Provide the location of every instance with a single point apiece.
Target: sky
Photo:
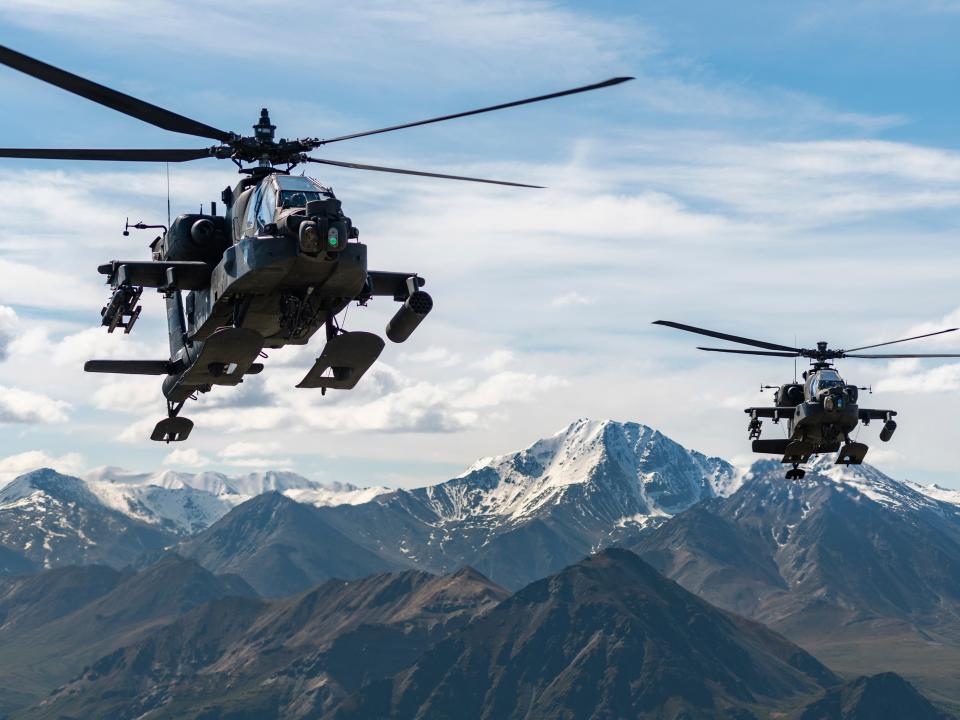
(789, 172)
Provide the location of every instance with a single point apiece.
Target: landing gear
(347, 355)
(852, 453)
(796, 473)
(173, 428)
(754, 428)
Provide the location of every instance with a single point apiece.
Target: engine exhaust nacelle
(888, 429)
(202, 231)
(194, 237)
(411, 313)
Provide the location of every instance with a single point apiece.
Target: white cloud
(32, 285)
(881, 456)
(13, 466)
(9, 325)
(497, 360)
(129, 395)
(30, 341)
(137, 432)
(247, 449)
(507, 386)
(263, 463)
(569, 299)
(802, 185)
(401, 404)
(944, 378)
(483, 36)
(96, 342)
(439, 356)
(23, 406)
(186, 457)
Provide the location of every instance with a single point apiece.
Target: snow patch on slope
(626, 471)
(189, 502)
(872, 483)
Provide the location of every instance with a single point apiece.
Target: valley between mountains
(603, 572)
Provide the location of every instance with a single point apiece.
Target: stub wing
(179, 275)
(775, 413)
(865, 414)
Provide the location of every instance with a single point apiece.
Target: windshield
(828, 379)
(299, 198)
(298, 190)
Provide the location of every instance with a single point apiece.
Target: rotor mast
(264, 131)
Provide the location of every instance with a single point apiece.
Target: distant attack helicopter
(822, 411)
(282, 261)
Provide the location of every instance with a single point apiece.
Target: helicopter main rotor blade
(769, 353)
(379, 168)
(502, 106)
(911, 355)
(110, 98)
(725, 336)
(106, 154)
(894, 342)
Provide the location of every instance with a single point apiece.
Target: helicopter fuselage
(282, 263)
(822, 411)
(820, 415)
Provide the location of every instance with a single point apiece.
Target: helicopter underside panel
(811, 430)
(820, 427)
(268, 285)
(344, 360)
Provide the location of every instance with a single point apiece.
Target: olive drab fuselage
(821, 412)
(264, 280)
(279, 264)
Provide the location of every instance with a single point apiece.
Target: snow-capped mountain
(625, 472)
(186, 503)
(52, 520)
(847, 562)
(523, 515)
(116, 517)
(936, 492)
(847, 544)
(869, 482)
(515, 517)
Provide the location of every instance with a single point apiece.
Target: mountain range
(185, 503)
(291, 657)
(55, 622)
(860, 569)
(606, 637)
(853, 566)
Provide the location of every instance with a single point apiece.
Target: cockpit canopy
(298, 190)
(278, 192)
(824, 380)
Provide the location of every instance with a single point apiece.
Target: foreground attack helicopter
(822, 411)
(280, 263)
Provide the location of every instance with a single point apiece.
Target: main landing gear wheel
(796, 473)
(172, 428)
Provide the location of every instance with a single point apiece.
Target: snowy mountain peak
(936, 492)
(632, 471)
(574, 449)
(864, 480)
(188, 502)
(46, 482)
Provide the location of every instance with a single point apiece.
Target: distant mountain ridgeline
(860, 569)
(606, 637)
